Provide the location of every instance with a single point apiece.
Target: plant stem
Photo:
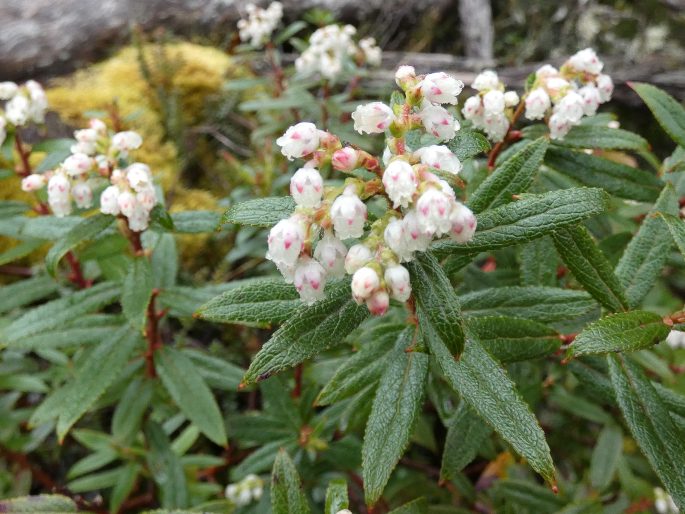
(24, 154)
(152, 336)
(297, 390)
(76, 275)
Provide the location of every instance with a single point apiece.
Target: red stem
(297, 390)
(154, 341)
(511, 135)
(76, 275)
(24, 154)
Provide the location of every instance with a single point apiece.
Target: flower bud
(127, 203)
(331, 252)
(306, 187)
(591, 99)
(125, 141)
(437, 121)
(400, 182)
(345, 159)
(676, 339)
(147, 198)
(605, 86)
(485, 81)
(357, 256)
(441, 88)
(511, 98)
(364, 282)
(8, 90)
(33, 182)
(496, 126)
(59, 198)
(286, 241)
(17, 110)
(82, 194)
(139, 219)
(537, 103)
(417, 239)
(439, 157)
(378, 303)
(139, 176)
(473, 109)
(463, 223)
(397, 279)
(405, 76)
(372, 118)
(558, 126)
(85, 142)
(493, 103)
(109, 201)
(395, 238)
(78, 164)
(570, 107)
(299, 140)
(586, 61)
(309, 280)
(432, 211)
(98, 126)
(348, 214)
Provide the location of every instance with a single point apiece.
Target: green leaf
(217, 372)
(437, 301)
(605, 457)
(667, 111)
(418, 506)
(622, 332)
(543, 304)
(289, 32)
(287, 496)
(527, 219)
(644, 257)
(21, 250)
(129, 410)
(676, 227)
(336, 496)
(39, 504)
(94, 375)
(165, 467)
(164, 262)
(539, 263)
(25, 292)
(190, 392)
(126, 481)
(309, 331)
(514, 339)
(136, 291)
(11, 208)
(528, 497)
(160, 216)
(617, 179)
(395, 409)
(465, 436)
(196, 222)
(259, 303)
(513, 176)
(260, 212)
(468, 143)
(485, 386)
(590, 267)
(603, 137)
(650, 424)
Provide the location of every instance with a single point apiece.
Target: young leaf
(616, 178)
(86, 230)
(287, 496)
(605, 457)
(514, 339)
(529, 218)
(393, 414)
(485, 386)
(465, 436)
(260, 212)
(166, 468)
(468, 143)
(641, 263)
(336, 496)
(650, 424)
(437, 301)
(512, 177)
(667, 111)
(259, 303)
(622, 332)
(539, 263)
(309, 331)
(136, 291)
(590, 267)
(597, 136)
(190, 392)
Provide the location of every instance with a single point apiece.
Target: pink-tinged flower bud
(60, 207)
(125, 141)
(286, 241)
(558, 126)
(348, 214)
(139, 219)
(372, 118)
(127, 203)
(33, 182)
(299, 140)
(309, 280)
(85, 142)
(109, 201)
(396, 239)
(357, 256)
(397, 279)
(417, 239)
(441, 88)
(78, 164)
(400, 182)
(405, 75)
(98, 126)
(8, 90)
(556, 87)
(591, 99)
(605, 86)
(432, 212)
(546, 71)
(511, 98)
(331, 252)
(59, 197)
(485, 81)
(493, 103)
(147, 198)
(439, 157)
(345, 159)
(537, 103)
(364, 282)
(496, 126)
(17, 110)
(437, 121)
(473, 109)
(586, 61)
(139, 176)
(82, 194)
(378, 303)
(676, 339)
(570, 107)
(463, 223)
(306, 187)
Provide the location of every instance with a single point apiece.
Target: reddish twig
(154, 341)
(297, 390)
(76, 275)
(24, 155)
(511, 135)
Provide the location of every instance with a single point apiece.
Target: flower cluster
(492, 108)
(569, 93)
(246, 491)
(332, 50)
(23, 104)
(421, 205)
(260, 23)
(676, 339)
(96, 155)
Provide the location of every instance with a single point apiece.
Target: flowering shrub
(474, 305)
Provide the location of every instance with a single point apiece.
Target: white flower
(286, 241)
(556, 87)
(3, 131)
(546, 71)
(39, 101)
(139, 219)
(86, 140)
(570, 107)
(299, 140)
(364, 282)
(537, 103)
(330, 51)
(586, 61)
(432, 212)
(348, 214)
(493, 103)
(463, 223)
(395, 238)
(439, 157)
(441, 88)
(663, 502)
(473, 109)
(82, 194)
(591, 99)
(357, 256)
(558, 126)
(17, 110)
(397, 279)
(98, 126)
(417, 239)
(496, 126)
(400, 182)
(109, 201)
(309, 280)
(372, 118)
(139, 176)
(676, 339)
(378, 302)
(8, 90)
(605, 86)
(127, 203)
(306, 187)
(345, 159)
(126, 141)
(260, 23)
(344, 511)
(372, 52)
(331, 253)
(438, 121)
(78, 164)
(33, 182)
(485, 80)
(404, 74)
(147, 198)
(58, 195)
(511, 98)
